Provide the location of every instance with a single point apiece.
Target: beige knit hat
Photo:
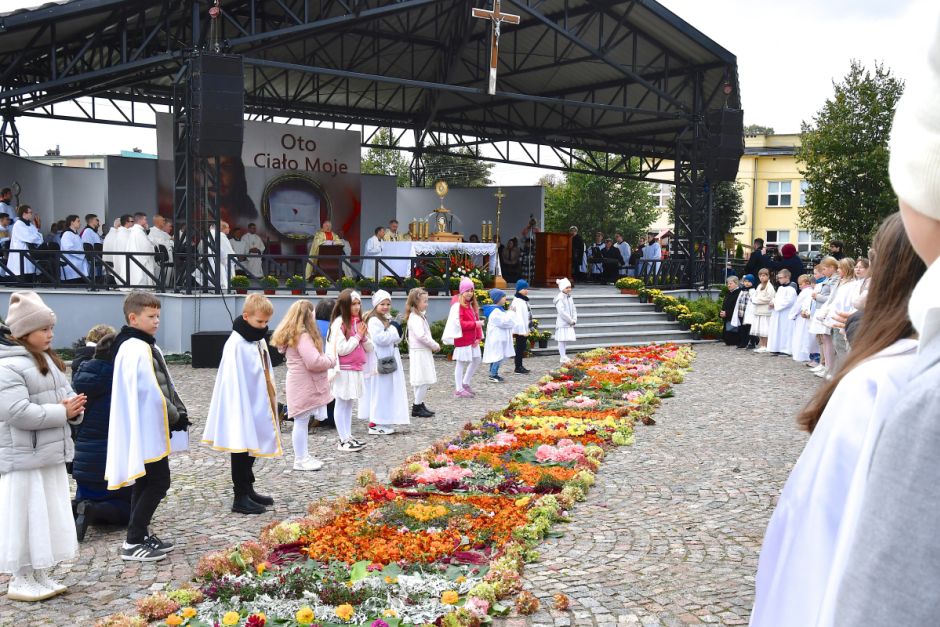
(27, 313)
(915, 139)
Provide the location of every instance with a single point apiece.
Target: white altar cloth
(402, 267)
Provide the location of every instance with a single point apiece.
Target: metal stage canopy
(621, 79)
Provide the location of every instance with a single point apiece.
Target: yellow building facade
(772, 189)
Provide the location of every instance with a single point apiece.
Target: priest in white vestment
(159, 233)
(116, 242)
(373, 249)
(225, 251)
(143, 264)
(254, 245)
(23, 234)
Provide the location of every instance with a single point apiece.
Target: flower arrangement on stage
(445, 541)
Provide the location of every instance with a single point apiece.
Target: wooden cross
(497, 17)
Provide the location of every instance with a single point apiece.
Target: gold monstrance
(442, 218)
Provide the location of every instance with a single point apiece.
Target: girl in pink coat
(308, 386)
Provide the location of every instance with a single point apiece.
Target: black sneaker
(495, 379)
(143, 552)
(522, 371)
(159, 544)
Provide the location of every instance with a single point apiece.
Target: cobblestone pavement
(669, 535)
(671, 532)
(197, 516)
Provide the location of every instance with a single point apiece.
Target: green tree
(457, 168)
(387, 161)
(845, 157)
(727, 202)
(599, 203)
(757, 129)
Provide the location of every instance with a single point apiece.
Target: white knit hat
(915, 139)
(379, 296)
(562, 284)
(27, 313)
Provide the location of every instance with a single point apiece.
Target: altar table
(402, 267)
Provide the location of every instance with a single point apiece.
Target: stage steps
(605, 318)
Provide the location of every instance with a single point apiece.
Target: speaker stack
(725, 144)
(218, 106)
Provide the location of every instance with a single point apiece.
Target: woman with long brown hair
(802, 559)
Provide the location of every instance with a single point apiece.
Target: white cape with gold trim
(138, 431)
(242, 414)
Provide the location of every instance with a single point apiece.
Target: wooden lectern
(552, 258)
(329, 260)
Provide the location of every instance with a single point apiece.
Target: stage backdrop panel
(55, 192)
(473, 205)
(288, 180)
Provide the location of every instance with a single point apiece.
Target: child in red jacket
(464, 330)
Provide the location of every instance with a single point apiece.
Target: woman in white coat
(388, 397)
(566, 319)
(421, 349)
(803, 556)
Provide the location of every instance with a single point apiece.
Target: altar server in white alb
(243, 416)
(373, 249)
(77, 267)
(566, 319)
(37, 404)
(23, 235)
(145, 410)
(802, 342)
(421, 349)
(499, 325)
(780, 336)
(388, 396)
(519, 307)
(114, 242)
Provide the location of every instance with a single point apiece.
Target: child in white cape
(566, 319)
(499, 326)
(388, 397)
(421, 349)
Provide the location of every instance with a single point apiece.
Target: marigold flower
(345, 611)
(390, 613)
(460, 579)
(263, 566)
(304, 615)
(174, 619)
(450, 597)
(188, 612)
(231, 618)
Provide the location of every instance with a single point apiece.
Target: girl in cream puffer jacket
(36, 406)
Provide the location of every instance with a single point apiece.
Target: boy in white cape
(243, 417)
(802, 342)
(499, 326)
(780, 335)
(145, 409)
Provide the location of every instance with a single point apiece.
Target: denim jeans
(494, 368)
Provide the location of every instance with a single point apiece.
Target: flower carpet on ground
(445, 541)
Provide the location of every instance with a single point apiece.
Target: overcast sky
(788, 55)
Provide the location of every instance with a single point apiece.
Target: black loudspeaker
(725, 143)
(207, 348)
(218, 105)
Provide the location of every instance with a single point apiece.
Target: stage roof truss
(625, 77)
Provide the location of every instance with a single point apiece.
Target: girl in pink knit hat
(464, 331)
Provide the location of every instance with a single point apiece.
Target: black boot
(259, 498)
(245, 505)
(418, 411)
(425, 408)
(82, 519)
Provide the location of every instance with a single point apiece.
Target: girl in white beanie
(566, 320)
(388, 396)
(37, 404)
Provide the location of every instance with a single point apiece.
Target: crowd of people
(802, 317)
(114, 425)
(608, 259)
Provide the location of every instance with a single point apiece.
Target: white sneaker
(349, 446)
(381, 430)
(308, 463)
(760, 350)
(820, 373)
(43, 579)
(565, 360)
(818, 368)
(26, 588)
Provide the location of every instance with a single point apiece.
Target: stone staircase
(605, 318)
